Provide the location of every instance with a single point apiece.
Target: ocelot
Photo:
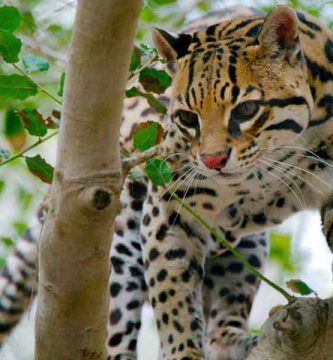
(249, 136)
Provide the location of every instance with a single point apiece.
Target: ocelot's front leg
(229, 290)
(173, 258)
(127, 285)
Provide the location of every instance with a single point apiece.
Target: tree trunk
(302, 330)
(73, 296)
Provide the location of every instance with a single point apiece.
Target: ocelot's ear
(280, 32)
(171, 46)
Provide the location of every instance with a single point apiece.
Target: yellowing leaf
(299, 287)
(147, 135)
(33, 121)
(156, 81)
(40, 168)
(14, 130)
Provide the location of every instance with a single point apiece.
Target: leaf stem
(41, 88)
(142, 66)
(35, 144)
(234, 251)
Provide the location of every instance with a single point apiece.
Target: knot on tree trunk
(102, 198)
(300, 330)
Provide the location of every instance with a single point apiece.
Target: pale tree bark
(73, 300)
(302, 330)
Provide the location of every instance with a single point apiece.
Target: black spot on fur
(115, 289)
(115, 316)
(115, 339)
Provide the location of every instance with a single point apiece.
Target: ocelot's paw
(230, 343)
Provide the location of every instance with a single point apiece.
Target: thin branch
(139, 158)
(32, 146)
(41, 88)
(133, 75)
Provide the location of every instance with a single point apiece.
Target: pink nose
(215, 161)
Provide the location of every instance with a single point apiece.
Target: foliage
(280, 249)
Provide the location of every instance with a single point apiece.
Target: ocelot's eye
(245, 111)
(187, 118)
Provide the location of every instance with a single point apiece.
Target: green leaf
(59, 35)
(158, 171)
(33, 64)
(25, 197)
(40, 168)
(280, 249)
(33, 121)
(156, 81)
(14, 130)
(152, 101)
(10, 18)
(147, 135)
(16, 87)
(61, 84)
(10, 46)
(2, 183)
(20, 227)
(136, 59)
(147, 51)
(8, 242)
(299, 287)
(13, 124)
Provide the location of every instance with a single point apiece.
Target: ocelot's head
(239, 89)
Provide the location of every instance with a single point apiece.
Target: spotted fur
(242, 173)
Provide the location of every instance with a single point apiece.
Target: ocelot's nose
(217, 160)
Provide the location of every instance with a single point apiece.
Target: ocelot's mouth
(235, 174)
(226, 174)
(230, 175)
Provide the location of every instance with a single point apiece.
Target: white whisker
(294, 173)
(306, 171)
(302, 149)
(174, 183)
(261, 186)
(280, 179)
(181, 204)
